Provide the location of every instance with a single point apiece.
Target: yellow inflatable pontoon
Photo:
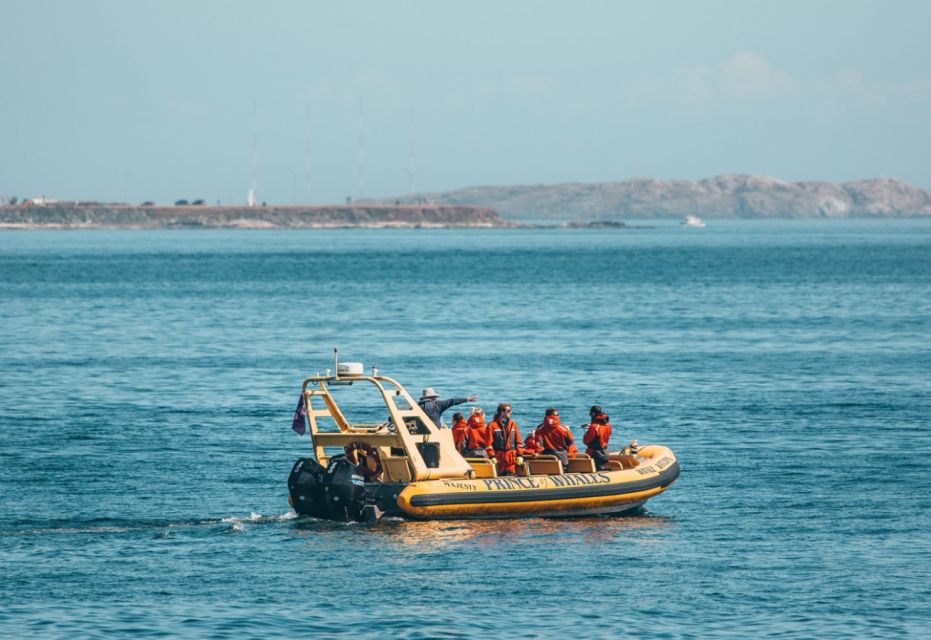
(408, 467)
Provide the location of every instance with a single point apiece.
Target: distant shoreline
(60, 215)
(77, 216)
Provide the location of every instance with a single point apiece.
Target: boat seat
(545, 466)
(396, 469)
(614, 465)
(582, 463)
(483, 467)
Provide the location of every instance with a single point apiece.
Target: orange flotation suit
(459, 433)
(596, 437)
(553, 435)
(532, 444)
(598, 434)
(477, 436)
(506, 444)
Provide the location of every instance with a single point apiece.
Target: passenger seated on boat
(554, 437)
(477, 443)
(597, 434)
(532, 444)
(460, 426)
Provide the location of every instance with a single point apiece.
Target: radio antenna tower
(307, 154)
(412, 166)
(360, 190)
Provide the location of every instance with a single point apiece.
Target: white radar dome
(349, 369)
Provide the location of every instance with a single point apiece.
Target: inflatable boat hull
(572, 494)
(336, 493)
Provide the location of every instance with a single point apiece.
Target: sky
(163, 100)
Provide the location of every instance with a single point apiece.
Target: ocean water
(147, 382)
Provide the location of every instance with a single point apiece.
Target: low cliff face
(61, 215)
(730, 196)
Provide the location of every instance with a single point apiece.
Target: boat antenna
(336, 361)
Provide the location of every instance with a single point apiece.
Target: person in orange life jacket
(506, 441)
(460, 426)
(597, 434)
(554, 437)
(478, 436)
(532, 444)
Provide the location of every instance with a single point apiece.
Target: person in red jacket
(478, 436)
(532, 444)
(460, 426)
(554, 437)
(597, 434)
(505, 440)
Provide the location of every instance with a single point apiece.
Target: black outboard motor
(305, 484)
(344, 490)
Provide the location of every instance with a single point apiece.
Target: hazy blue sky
(156, 98)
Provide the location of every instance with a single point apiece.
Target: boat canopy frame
(404, 429)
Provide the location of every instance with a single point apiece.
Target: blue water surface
(147, 381)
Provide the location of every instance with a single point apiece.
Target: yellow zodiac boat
(408, 467)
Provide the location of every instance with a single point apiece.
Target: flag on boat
(298, 423)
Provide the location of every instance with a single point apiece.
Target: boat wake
(101, 526)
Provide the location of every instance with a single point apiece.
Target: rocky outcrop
(729, 196)
(61, 215)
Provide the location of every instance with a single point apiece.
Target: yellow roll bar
(404, 429)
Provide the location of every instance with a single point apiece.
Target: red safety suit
(532, 445)
(478, 435)
(553, 435)
(459, 433)
(596, 437)
(506, 444)
(598, 434)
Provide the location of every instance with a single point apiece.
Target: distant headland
(727, 196)
(571, 205)
(45, 214)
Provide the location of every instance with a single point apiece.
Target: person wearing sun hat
(434, 407)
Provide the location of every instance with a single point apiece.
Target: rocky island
(78, 215)
(727, 196)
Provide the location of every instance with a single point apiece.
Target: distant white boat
(693, 221)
